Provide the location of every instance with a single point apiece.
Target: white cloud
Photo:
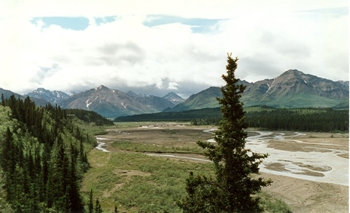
(268, 38)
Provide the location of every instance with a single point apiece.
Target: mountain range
(291, 89)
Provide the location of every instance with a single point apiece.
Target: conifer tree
(233, 187)
(98, 208)
(91, 204)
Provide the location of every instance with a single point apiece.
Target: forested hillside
(88, 116)
(42, 158)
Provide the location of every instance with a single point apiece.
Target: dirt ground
(301, 195)
(304, 196)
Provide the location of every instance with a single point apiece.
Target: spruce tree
(91, 202)
(233, 188)
(98, 208)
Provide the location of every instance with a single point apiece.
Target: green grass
(272, 204)
(131, 124)
(142, 147)
(92, 129)
(137, 182)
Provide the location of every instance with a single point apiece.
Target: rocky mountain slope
(173, 98)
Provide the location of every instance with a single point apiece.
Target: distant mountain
(154, 102)
(112, 103)
(8, 93)
(295, 89)
(53, 97)
(159, 103)
(173, 98)
(203, 99)
(292, 89)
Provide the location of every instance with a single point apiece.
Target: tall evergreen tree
(233, 187)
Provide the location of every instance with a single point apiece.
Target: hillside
(43, 157)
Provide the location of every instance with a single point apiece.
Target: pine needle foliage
(233, 189)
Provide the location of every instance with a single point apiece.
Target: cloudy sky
(167, 45)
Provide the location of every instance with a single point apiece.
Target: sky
(157, 46)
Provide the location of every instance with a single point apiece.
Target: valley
(174, 106)
(309, 169)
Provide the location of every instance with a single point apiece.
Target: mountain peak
(102, 87)
(172, 94)
(173, 98)
(292, 72)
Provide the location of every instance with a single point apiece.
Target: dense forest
(304, 119)
(308, 119)
(42, 157)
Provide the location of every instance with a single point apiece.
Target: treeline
(305, 119)
(88, 116)
(42, 157)
(207, 114)
(324, 120)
